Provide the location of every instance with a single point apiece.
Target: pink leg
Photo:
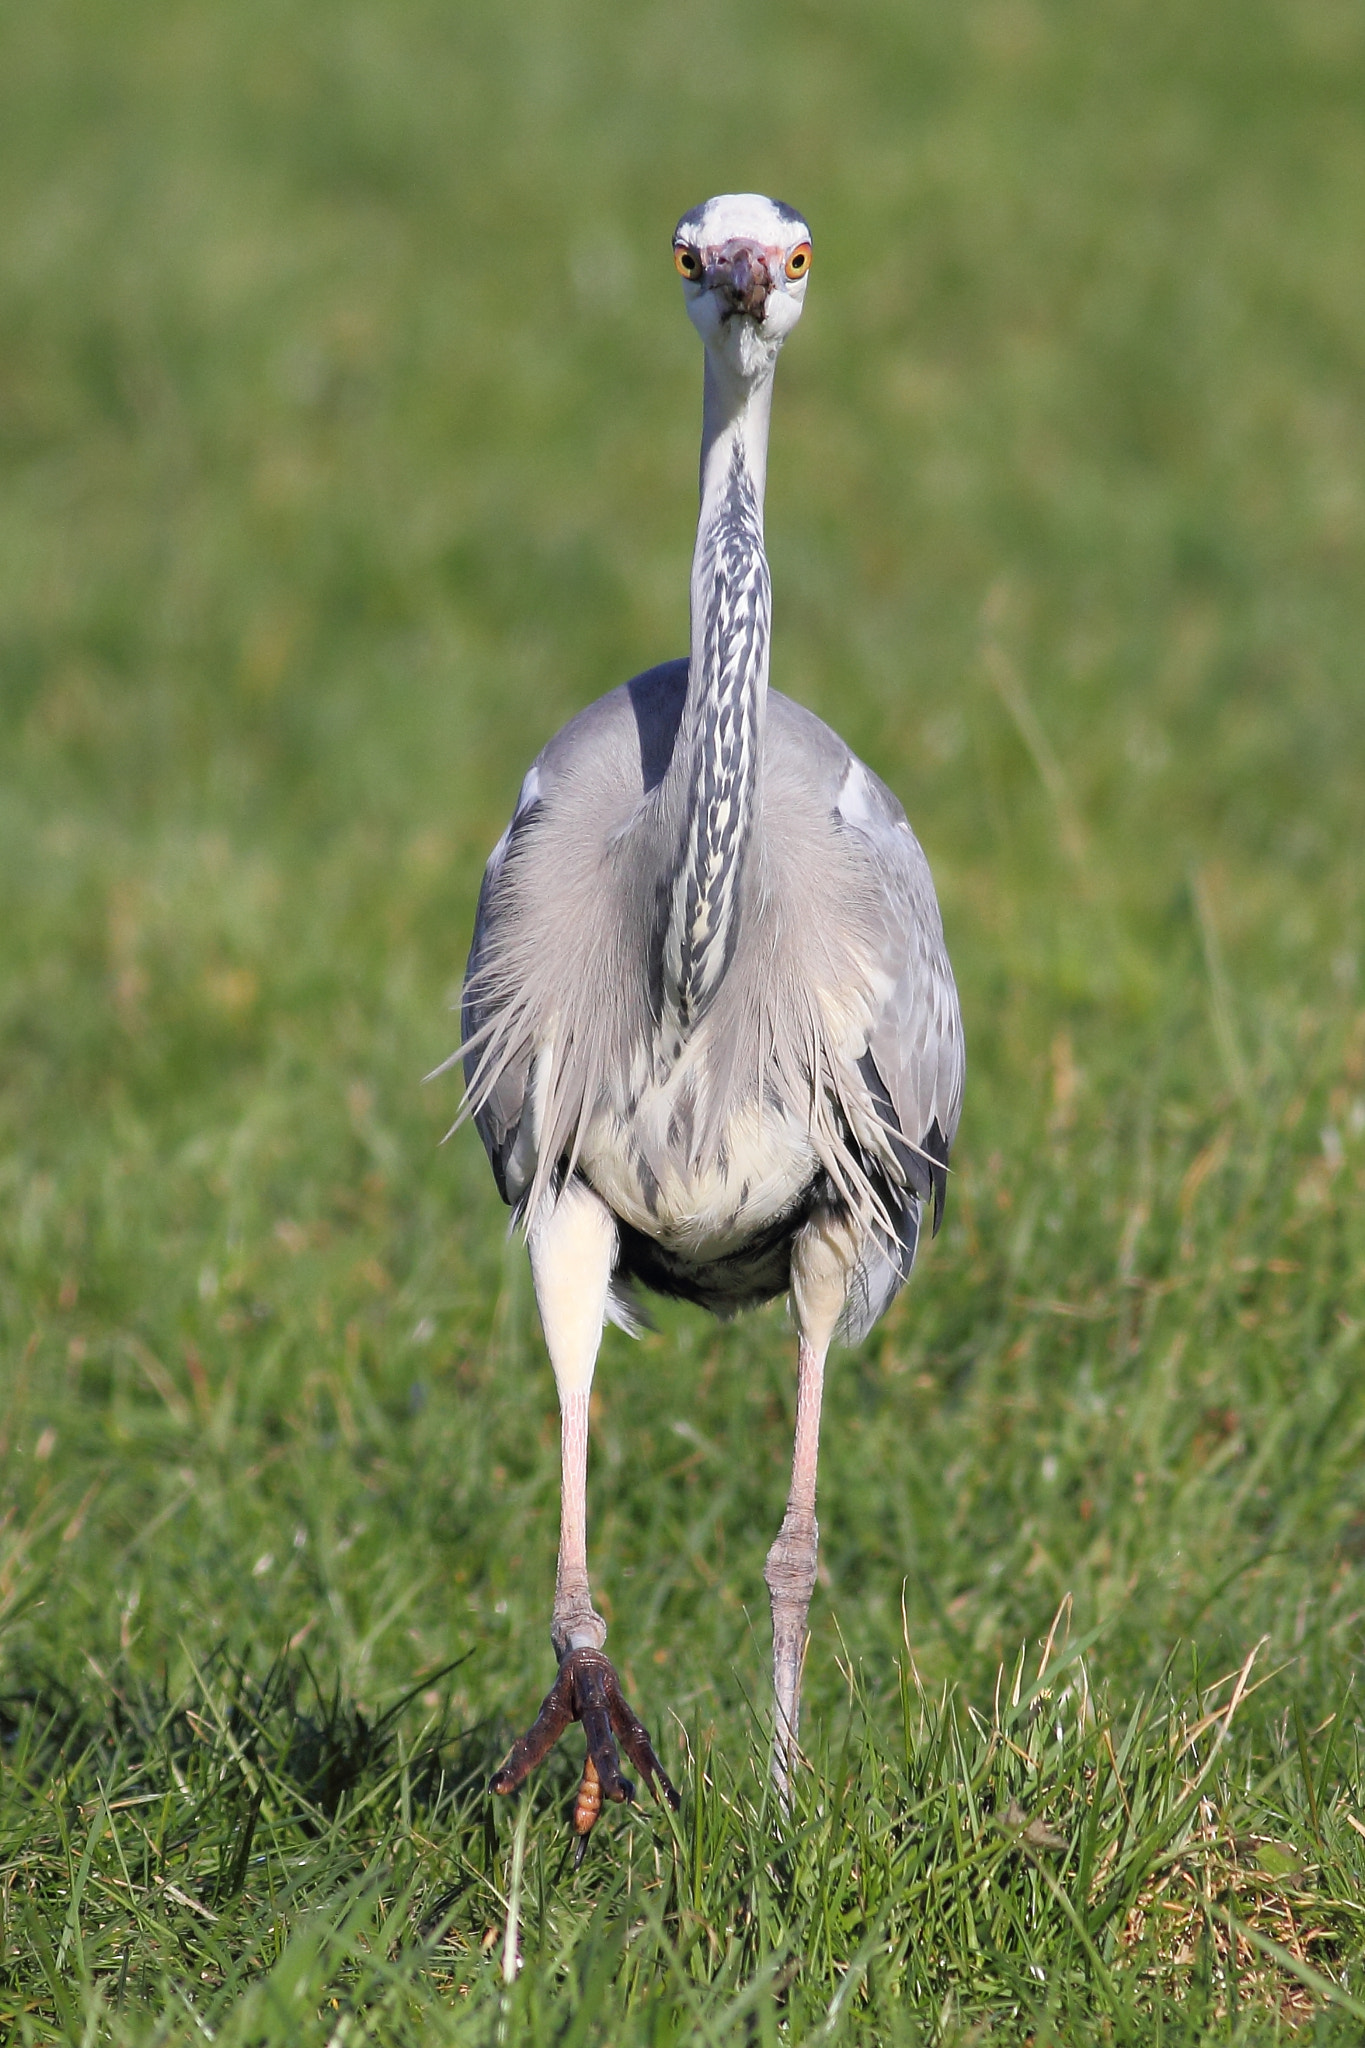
(823, 1256)
(575, 1624)
(790, 1571)
(572, 1250)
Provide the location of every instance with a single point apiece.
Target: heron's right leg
(572, 1254)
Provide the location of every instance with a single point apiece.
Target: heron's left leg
(822, 1259)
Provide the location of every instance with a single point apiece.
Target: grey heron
(711, 1039)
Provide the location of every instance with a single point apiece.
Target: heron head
(744, 261)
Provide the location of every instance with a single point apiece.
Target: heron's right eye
(686, 261)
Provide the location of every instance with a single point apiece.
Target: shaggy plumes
(774, 1104)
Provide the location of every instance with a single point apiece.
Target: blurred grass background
(349, 419)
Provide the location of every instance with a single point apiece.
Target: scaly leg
(821, 1261)
(572, 1254)
(791, 1566)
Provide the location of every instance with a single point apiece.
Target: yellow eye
(686, 261)
(798, 263)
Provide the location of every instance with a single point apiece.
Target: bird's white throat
(736, 414)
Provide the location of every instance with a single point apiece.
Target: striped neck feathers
(717, 758)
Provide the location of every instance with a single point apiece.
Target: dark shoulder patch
(656, 699)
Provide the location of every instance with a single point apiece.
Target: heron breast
(705, 1208)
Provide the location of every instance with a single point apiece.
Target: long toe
(532, 1748)
(594, 1683)
(633, 1736)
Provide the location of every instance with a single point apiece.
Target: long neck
(717, 758)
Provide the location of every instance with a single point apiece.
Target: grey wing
(915, 1063)
(498, 1117)
(589, 776)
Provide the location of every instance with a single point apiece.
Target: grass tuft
(254, 1851)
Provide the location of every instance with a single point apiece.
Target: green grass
(348, 420)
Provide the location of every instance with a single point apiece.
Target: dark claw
(588, 1690)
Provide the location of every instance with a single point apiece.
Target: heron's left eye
(798, 263)
(686, 261)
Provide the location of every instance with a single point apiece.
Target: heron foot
(588, 1690)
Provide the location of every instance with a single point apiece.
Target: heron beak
(739, 273)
